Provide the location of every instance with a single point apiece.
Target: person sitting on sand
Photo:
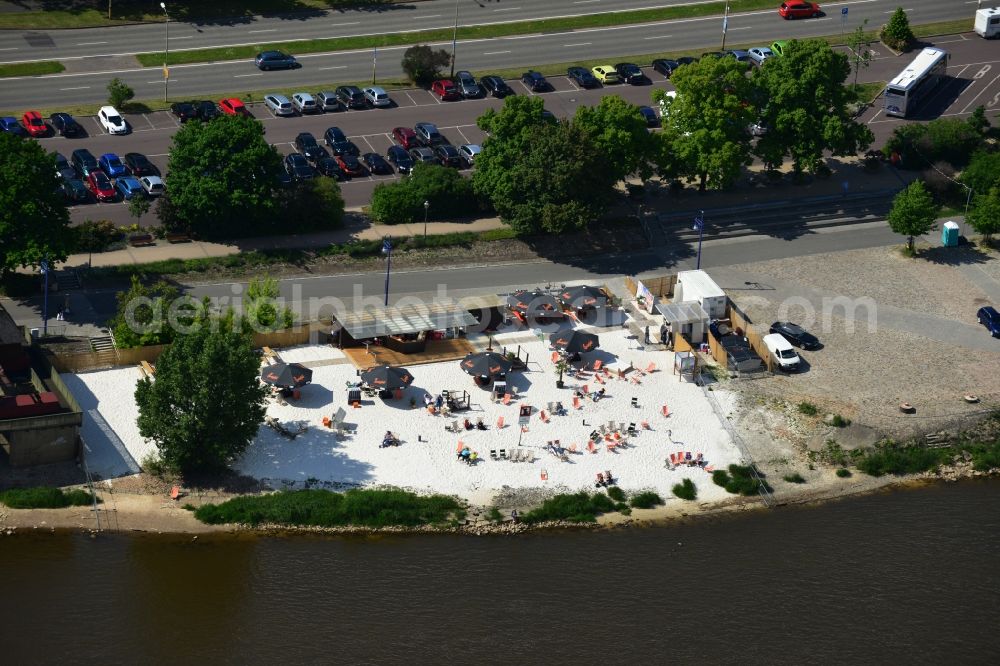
(438, 401)
(468, 425)
(480, 425)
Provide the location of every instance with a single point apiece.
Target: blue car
(111, 165)
(10, 124)
(129, 188)
(990, 318)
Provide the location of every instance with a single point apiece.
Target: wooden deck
(436, 351)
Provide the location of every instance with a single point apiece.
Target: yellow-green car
(606, 74)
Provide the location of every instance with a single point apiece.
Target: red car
(33, 122)
(100, 186)
(405, 137)
(798, 9)
(233, 107)
(446, 89)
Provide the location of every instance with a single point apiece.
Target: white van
(782, 352)
(988, 22)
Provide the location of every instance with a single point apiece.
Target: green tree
(913, 212)
(262, 310)
(861, 53)
(539, 176)
(315, 204)
(34, 221)
(984, 216)
(423, 64)
(705, 125)
(983, 171)
(978, 121)
(206, 403)
(221, 180)
(93, 236)
(119, 93)
(948, 140)
(897, 33)
(138, 206)
(807, 108)
(141, 318)
(620, 133)
(449, 194)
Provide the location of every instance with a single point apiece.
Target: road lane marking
(496, 52)
(184, 37)
(416, 18)
(91, 43)
(333, 67)
(585, 2)
(339, 25)
(9, 48)
(254, 32)
(659, 37)
(77, 88)
(243, 76)
(506, 9)
(580, 44)
(161, 81)
(987, 87)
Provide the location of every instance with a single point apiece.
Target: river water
(908, 576)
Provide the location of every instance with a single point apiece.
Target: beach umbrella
(583, 296)
(387, 377)
(574, 342)
(291, 375)
(486, 364)
(534, 304)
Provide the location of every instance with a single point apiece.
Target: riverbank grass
(738, 480)
(44, 497)
(686, 490)
(322, 508)
(581, 507)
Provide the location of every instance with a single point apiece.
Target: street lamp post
(387, 251)
(166, 49)
(427, 207)
(725, 27)
(43, 265)
(699, 224)
(454, 40)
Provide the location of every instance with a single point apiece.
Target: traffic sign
(843, 10)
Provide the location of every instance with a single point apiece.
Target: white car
(111, 120)
(782, 352)
(468, 151)
(759, 54)
(377, 96)
(153, 185)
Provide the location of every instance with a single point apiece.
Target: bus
(921, 76)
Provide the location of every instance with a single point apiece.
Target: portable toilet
(949, 234)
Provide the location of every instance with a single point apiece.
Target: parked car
(759, 54)
(345, 148)
(713, 54)
(377, 97)
(535, 82)
(111, 120)
(206, 110)
(65, 124)
(298, 167)
(779, 47)
(34, 124)
(605, 74)
(328, 166)
(306, 144)
(9, 124)
(649, 116)
(279, 105)
(759, 128)
(350, 164)
(467, 85)
(686, 60)
(782, 352)
(447, 155)
(582, 77)
(334, 135)
(100, 186)
(399, 158)
(446, 90)
(740, 55)
(184, 111)
(328, 101)
(376, 163)
(231, 106)
(495, 85)
(64, 171)
(129, 188)
(153, 185)
(630, 73)
(665, 66)
(405, 137)
(469, 152)
(795, 334)
(83, 161)
(428, 134)
(304, 103)
(139, 165)
(352, 97)
(75, 191)
(423, 155)
(266, 60)
(793, 9)
(112, 165)
(990, 318)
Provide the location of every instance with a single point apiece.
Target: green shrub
(986, 457)
(941, 140)
(494, 515)
(686, 490)
(839, 421)
(739, 480)
(843, 472)
(983, 171)
(625, 511)
(616, 493)
(794, 478)
(448, 194)
(581, 507)
(807, 408)
(322, 508)
(44, 498)
(896, 459)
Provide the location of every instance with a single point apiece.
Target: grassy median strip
(31, 68)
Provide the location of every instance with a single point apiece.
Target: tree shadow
(965, 254)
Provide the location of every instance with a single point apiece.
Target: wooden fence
(737, 319)
(662, 286)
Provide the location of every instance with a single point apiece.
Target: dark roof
(377, 321)
(10, 333)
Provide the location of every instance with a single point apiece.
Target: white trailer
(988, 22)
(698, 286)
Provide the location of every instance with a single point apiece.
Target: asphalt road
(975, 65)
(87, 84)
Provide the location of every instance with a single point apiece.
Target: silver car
(468, 152)
(759, 54)
(467, 85)
(377, 97)
(327, 101)
(279, 105)
(303, 102)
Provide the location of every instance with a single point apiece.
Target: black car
(75, 191)
(399, 158)
(266, 60)
(795, 334)
(351, 96)
(630, 73)
(345, 148)
(298, 167)
(535, 81)
(686, 60)
(376, 163)
(306, 144)
(64, 171)
(84, 162)
(66, 125)
(649, 116)
(334, 135)
(139, 165)
(328, 166)
(495, 85)
(448, 155)
(665, 67)
(206, 110)
(184, 111)
(582, 77)
(284, 180)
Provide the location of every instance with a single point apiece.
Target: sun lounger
(645, 425)
(631, 429)
(543, 416)
(597, 364)
(611, 446)
(591, 446)
(503, 454)
(709, 468)
(576, 403)
(586, 389)
(175, 493)
(673, 459)
(651, 367)
(665, 410)
(506, 398)
(500, 423)
(611, 425)
(572, 448)
(555, 357)
(600, 380)
(493, 454)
